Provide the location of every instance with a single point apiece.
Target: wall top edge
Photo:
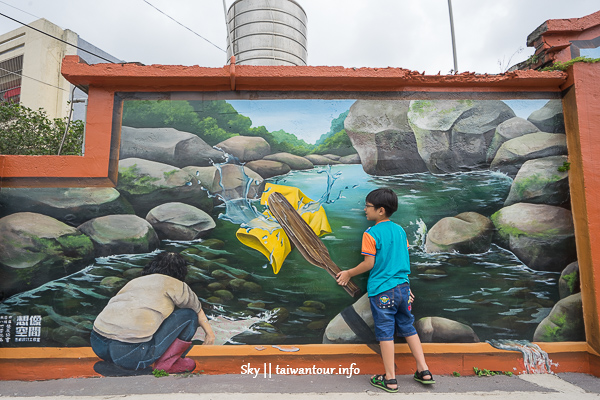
(291, 77)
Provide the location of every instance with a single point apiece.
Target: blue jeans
(181, 324)
(391, 313)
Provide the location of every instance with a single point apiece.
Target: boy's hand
(342, 278)
(411, 296)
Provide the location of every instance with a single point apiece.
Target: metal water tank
(267, 32)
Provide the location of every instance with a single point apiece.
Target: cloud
(350, 33)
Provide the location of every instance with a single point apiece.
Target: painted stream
(493, 292)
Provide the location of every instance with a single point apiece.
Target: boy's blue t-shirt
(387, 242)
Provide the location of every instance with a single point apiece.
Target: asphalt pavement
(229, 387)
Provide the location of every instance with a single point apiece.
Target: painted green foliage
(536, 181)
(130, 181)
(555, 333)
(571, 279)
(216, 120)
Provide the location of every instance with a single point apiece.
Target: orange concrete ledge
(443, 359)
(153, 78)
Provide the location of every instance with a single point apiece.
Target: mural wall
(483, 192)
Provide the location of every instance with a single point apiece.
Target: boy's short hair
(384, 197)
(171, 264)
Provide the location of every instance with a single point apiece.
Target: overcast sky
(352, 33)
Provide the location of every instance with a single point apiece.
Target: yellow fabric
(276, 245)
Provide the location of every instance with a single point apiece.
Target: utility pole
(452, 32)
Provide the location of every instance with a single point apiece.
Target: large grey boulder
(569, 282)
(35, 249)
(466, 233)
(339, 330)
(228, 181)
(178, 221)
(267, 168)
(539, 181)
(509, 129)
(294, 162)
(443, 330)
(380, 133)
(147, 184)
(513, 153)
(245, 148)
(167, 146)
(564, 323)
(454, 135)
(317, 159)
(350, 159)
(549, 118)
(541, 236)
(120, 234)
(72, 206)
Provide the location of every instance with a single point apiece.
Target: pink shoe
(172, 362)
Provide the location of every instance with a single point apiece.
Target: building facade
(30, 63)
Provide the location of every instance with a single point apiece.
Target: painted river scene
(483, 197)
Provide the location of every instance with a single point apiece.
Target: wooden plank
(303, 237)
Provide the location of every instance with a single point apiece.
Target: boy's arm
(343, 277)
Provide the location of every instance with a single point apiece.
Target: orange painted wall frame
(108, 83)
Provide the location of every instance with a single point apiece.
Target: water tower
(267, 32)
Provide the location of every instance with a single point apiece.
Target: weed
(487, 372)
(188, 374)
(563, 66)
(456, 374)
(159, 373)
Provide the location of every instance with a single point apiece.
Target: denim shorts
(391, 313)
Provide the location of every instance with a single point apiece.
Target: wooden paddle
(303, 237)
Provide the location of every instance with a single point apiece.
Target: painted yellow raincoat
(276, 245)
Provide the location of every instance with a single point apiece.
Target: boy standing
(385, 248)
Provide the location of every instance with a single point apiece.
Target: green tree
(289, 143)
(225, 115)
(24, 131)
(339, 144)
(159, 114)
(336, 125)
(180, 115)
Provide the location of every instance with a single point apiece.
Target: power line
(19, 9)
(54, 37)
(197, 34)
(37, 80)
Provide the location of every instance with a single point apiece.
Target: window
(10, 79)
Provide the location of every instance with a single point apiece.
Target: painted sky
(307, 119)
(490, 35)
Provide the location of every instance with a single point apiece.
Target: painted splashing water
(535, 359)
(243, 211)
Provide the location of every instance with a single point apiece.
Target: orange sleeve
(407, 244)
(368, 245)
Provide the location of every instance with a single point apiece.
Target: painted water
(493, 292)
(535, 360)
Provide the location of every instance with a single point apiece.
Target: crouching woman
(152, 320)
